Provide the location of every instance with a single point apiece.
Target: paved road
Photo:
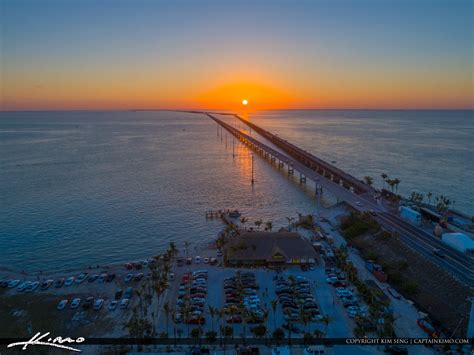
(456, 263)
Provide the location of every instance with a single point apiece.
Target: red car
(128, 266)
(234, 319)
(197, 320)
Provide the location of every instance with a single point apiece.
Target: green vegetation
(259, 331)
(358, 223)
(278, 334)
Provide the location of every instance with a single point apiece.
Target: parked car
(112, 305)
(98, 304)
(46, 284)
(61, 305)
(80, 279)
(197, 259)
(92, 278)
(32, 287)
(139, 276)
(59, 283)
(128, 293)
(124, 303)
(13, 283)
(118, 294)
(234, 319)
(69, 281)
(102, 277)
(22, 286)
(75, 303)
(197, 320)
(88, 302)
(353, 311)
(110, 277)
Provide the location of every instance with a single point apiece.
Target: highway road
(458, 264)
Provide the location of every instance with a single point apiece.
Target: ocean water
(87, 188)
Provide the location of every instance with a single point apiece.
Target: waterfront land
(159, 283)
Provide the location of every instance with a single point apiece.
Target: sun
(244, 102)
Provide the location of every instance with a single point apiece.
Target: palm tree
(166, 308)
(391, 183)
(258, 223)
(368, 180)
(396, 182)
(305, 317)
(326, 321)
(186, 246)
(318, 333)
(384, 178)
(212, 312)
(429, 195)
(186, 311)
(173, 249)
(289, 219)
(243, 220)
(268, 225)
(274, 306)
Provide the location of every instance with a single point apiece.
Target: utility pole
(252, 170)
(319, 192)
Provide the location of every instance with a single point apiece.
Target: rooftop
(269, 246)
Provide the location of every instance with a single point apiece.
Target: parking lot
(248, 304)
(107, 293)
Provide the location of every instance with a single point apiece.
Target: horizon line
(248, 110)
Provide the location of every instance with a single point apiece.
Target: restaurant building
(271, 249)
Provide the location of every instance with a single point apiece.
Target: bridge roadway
(458, 264)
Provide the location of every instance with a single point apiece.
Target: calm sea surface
(84, 188)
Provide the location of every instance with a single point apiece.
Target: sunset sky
(106, 54)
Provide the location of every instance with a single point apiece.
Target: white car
(62, 304)
(197, 259)
(343, 292)
(80, 279)
(352, 311)
(21, 287)
(98, 304)
(32, 287)
(124, 303)
(75, 303)
(359, 204)
(331, 280)
(69, 281)
(171, 276)
(13, 283)
(206, 260)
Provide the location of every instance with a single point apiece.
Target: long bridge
(354, 192)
